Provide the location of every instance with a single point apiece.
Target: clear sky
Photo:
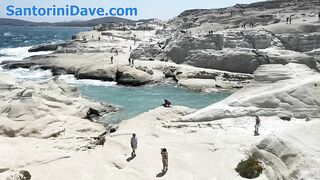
(162, 9)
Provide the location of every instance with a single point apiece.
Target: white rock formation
(292, 153)
(277, 90)
(197, 149)
(131, 76)
(45, 110)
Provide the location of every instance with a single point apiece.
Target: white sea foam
(28, 74)
(19, 53)
(70, 79)
(35, 74)
(7, 34)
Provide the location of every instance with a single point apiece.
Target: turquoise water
(135, 100)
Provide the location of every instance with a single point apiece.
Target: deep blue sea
(15, 42)
(22, 36)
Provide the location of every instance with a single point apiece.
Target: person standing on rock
(129, 60)
(132, 62)
(290, 20)
(165, 159)
(134, 145)
(256, 126)
(111, 59)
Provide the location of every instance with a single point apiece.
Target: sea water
(16, 40)
(24, 36)
(130, 101)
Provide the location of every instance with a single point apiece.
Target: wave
(70, 79)
(18, 54)
(33, 74)
(8, 34)
(36, 74)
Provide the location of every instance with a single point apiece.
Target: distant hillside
(88, 23)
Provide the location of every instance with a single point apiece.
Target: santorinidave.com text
(70, 10)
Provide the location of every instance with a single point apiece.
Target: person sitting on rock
(166, 103)
(134, 145)
(165, 159)
(256, 126)
(91, 113)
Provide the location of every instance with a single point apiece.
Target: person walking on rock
(256, 126)
(164, 155)
(134, 145)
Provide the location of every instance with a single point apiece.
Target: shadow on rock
(131, 158)
(162, 173)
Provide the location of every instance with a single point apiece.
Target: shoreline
(145, 72)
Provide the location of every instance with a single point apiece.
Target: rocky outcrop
(235, 51)
(210, 80)
(130, 76)
(146, 51)
(82, 47)
(48, 47)
(303, 42)
(22, 175)
(225, 38)
(291, 154)
(277, 90)
(47, 110)
(107, 73)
